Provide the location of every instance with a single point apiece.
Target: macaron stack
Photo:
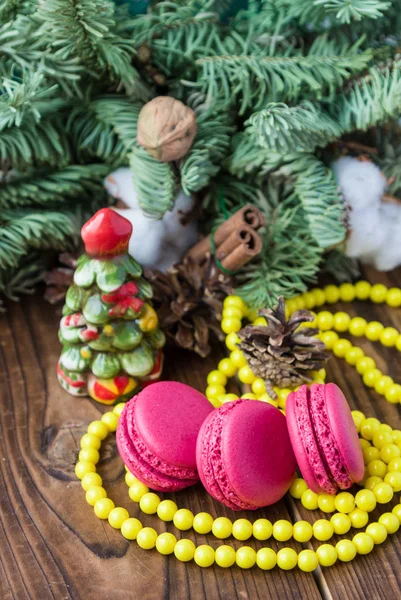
(245, 452)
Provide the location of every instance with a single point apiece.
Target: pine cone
(189, 300)
(281, 353)
(59, 279)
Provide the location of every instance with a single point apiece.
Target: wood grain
(52, 546)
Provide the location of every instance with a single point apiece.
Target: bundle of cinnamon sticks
(236, 241)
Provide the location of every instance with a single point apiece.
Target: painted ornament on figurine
(156, 244)
(109, 330)
(374, 223)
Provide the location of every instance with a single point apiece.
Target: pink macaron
(244, 454)
(324, 438)
(157, 433)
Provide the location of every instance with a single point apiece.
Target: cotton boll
(120, 185)
(362, 183)
(179, 232)
(145, 244)
(389, 255)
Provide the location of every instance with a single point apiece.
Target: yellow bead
(118, 409)
(231, 312)
(394, 479)
(149, 503)
(166, 510)
(298, 487)
(344, 502)
(395, 465)
(204, 556)
(326, 555)
(388, 452)
(300, 303)
(357, 326)
(346, 550)
(393, 394)
(130, 479)
(260, 321)
(110, 419)
(229, 398)
(89, 455)
(235, 301)
(302, 531)
(203, 522)
(369, 428)
(130, 528)
(262, 529)
(341, 347)
(266, 559)
(232, 340)
(222, 528)
(226, 367)
(237, 358)
(137, 490)
(146, 538)
(362, 290)
(225, 556)
(394, 297)
(383, 384)
(353, 355)
(371, 482)
(245, 557)
(326, 503)
(377, 532)
(378, 293)
(396, 436)
(91, 479)
(347, 292)
(214, 391)
(319, 297)
(99, 429)
(258, 386)
(95, 493)
(398, 343)
(287, 559)
(342, 321)
(388, 337)
(329, 338)
(309, 500)
(359, 518)
(325, 320)
(282, 530)
(242, 529)
(103, 507)
(183, 519)
(245, 375)
(307, 561)
(373, 331)
(322, 530)
(341, 523)
(90, 441)
(377, 467)
(216, 378)
(363, 443)
(358, 417)
(117, 516)
(230, 324)
(332, 294)
(84, 467)
(365, 500)
(165, 543)
(397, 512)
(390, 522)
(371, 377)
(363, 543)
(384, 493)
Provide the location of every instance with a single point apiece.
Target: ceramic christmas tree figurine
(109, 330)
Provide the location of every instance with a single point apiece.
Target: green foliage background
(273, 87)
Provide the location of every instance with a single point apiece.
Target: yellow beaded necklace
(381, 446)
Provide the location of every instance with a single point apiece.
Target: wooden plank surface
(51, 544)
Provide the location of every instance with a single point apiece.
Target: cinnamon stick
(249, 246)
(248, 216)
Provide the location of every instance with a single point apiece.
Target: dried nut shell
(166, 128)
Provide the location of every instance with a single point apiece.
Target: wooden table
(52, 545)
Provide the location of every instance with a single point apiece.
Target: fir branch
(254, 81)
(283, 129)
(339, 266)
(314, 12)
(22, 279)
(154, 182)
(288, 262)
(316, 188)
(44, 188)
